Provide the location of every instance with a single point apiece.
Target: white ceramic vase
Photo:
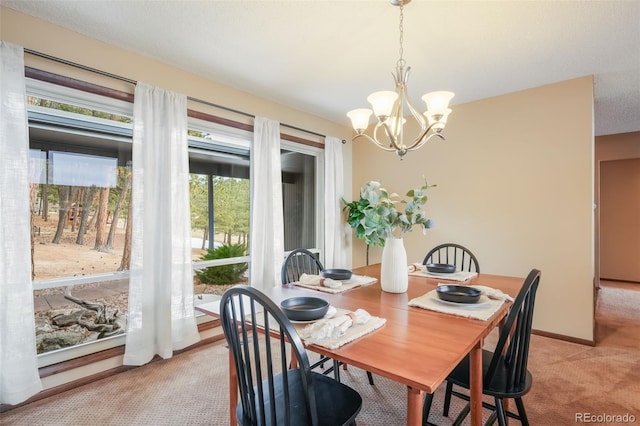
(394, 277)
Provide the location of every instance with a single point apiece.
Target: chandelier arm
(422, 139)
(417, 114)
(395, 139)
(397, 111)
(402, 80)
(393, 144)
(373, 141)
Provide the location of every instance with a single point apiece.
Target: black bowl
(458, 293)
(336, 274)
(304, 308)
(440, 268)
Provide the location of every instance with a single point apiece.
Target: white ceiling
(325, 57)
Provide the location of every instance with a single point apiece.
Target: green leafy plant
(376, 217)
(224, 274)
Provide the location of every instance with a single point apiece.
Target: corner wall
(514, 185)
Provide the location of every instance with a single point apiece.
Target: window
(80, 167)
(80, 191)
(219, 184)
(219, 194)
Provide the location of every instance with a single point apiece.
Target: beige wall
(515, 185)
(53, 40)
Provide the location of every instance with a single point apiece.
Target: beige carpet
(191, 388)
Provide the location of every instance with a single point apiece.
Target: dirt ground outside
(68, 259)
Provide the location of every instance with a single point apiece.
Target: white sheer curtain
(19, 377)
(334, 245)
(267, 221)
(161, 314)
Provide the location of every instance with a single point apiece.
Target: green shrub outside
(224, 274)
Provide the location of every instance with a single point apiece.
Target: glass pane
(80, 212)
(219, 196)
(74, 109)
(230, 212)
(299, 199)
(63, 321)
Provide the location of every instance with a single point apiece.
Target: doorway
(620, 220)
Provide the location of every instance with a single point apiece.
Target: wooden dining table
(416, 347)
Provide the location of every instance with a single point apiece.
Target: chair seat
(337, 404)
(497, 387)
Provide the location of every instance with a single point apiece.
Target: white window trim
(224, 135)
(67, 95)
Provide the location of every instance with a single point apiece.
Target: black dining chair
(302, 261)
(299, 261)
(505, 374)
(271, 393)
(453, 254)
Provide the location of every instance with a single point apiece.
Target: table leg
(475, 360)
(294, 361)
(414, 407)
(505, 404)
(233, 391)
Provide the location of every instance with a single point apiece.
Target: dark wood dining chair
(302, 261)
(453, 254)
(505, 374)
(271, 393)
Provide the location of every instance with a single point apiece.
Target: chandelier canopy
(388, 107)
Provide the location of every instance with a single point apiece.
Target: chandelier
(388, 107)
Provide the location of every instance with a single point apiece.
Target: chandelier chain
(401, 61)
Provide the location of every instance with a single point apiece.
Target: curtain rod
(80, 66)
(253, 116)
(134, 82)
